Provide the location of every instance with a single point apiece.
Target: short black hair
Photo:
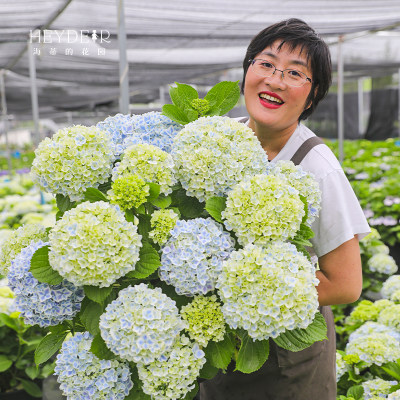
(296, 33)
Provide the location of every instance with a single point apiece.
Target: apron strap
(303, 150)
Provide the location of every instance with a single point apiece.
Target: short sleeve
(340, 217)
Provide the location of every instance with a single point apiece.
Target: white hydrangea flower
(82, 375)
(141, 324)
(93, 244)
(263, 208)
(162, 222)
(267, 291)
(6, 297)
(303, 181)
(341, 366)
(377, 387)
(391, 288)
(370, 328)
(74, 159)
(148, 162)
(212, 154)
(173, 374)
(394, 396)
(379, 249)
(383, 264)
(390, 316)
(377, 349)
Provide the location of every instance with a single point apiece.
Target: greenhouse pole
(360, 93)
(34, 95)
(340, 98)
(5, 119)
(123, 64)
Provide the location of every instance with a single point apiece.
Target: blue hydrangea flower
(192, 257)
(141, 324)
(41, 303)
(370, 328)
(83, 376)
(391, 288)
(377, 388)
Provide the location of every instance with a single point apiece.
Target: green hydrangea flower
(128, 191)
(162, 221)
(368, 311)
(262, 208)
(148, 162)
(204, 319)
(17, 240)
(200, 105)
(390, 316)
(351, 359)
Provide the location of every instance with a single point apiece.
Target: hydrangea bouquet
(177, 250)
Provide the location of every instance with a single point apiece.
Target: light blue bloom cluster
(377, 388)
(41, 303)
(191, 260)
(391, 288)
(93, 244)
(141, 324)
(301, 180)
(262, 208)
(213, 154)
(268, 290)
(173, 375)
(341, 366)
(377, 349)
(382, 263)
(370, 328)
(83, 376)
(149, 163)
(74, 159)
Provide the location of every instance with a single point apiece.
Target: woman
(287, 71)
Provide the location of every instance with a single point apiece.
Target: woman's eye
(294, 73)
(266, 64)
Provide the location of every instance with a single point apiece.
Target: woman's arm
(340, 274)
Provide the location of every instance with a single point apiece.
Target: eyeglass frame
(253, 60)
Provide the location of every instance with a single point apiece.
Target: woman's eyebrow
(296, 62)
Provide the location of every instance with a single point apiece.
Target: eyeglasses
(291, 77)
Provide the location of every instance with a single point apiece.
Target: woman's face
(281, 113)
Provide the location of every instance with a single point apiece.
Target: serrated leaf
(154, 191)
(49, 345)
(173, 112)
(223, 96)
(162, 201)
(90, 317)
(96, 293)
(182, 95)
(252, 354)
(64, 203)
(149, 261)
(100, 349)
(5, 363)
(356, 391)
(300, 339)
(93, 195)
(219, 354)
(304, 200)
(41, 268)
(214, 206)
(31, 388)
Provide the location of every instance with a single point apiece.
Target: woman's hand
(340, 274)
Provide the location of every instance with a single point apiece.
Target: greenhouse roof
(187, 41)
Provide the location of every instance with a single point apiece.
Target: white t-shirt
(341, 216)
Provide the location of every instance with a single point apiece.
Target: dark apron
(309, 374)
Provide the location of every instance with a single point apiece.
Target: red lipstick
(270, 100)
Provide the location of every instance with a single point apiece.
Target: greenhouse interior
(136, 259)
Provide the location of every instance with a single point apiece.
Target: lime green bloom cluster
(390, 316)
(262, 208)
(16, 241)
(74, 159)
(212, 154)
(377, 349)
(173, 375)
(391, 288)
(204, 319)
(148, 162)
(368, 311)
(268, 290)
(93, 244)
(200, 105)
(302, 181)
(128, 191)
(162, 221)
(377, 388)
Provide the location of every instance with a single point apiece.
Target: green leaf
(176, 114)
(215, 205)
(208, 371)
(90, 317)
(64, 203)
(41, 268)
(170, 292)
(300, 339)
(149, 261)
(392, 369)
(223, 96)
(137, 394)
(252, 354)
(154, 191)
(100, 349)
(32, 371)
(356, 391)
(129, 216)
(97, 294)
(31, 388)
(162, 201)
(105, 187)
(10, 322)
(191, 395)
(49, 345)
(189, 207)
(182, 95)
(220, 353)
(144, 226)
(304, 200)
(93, 195)
(5, 363)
